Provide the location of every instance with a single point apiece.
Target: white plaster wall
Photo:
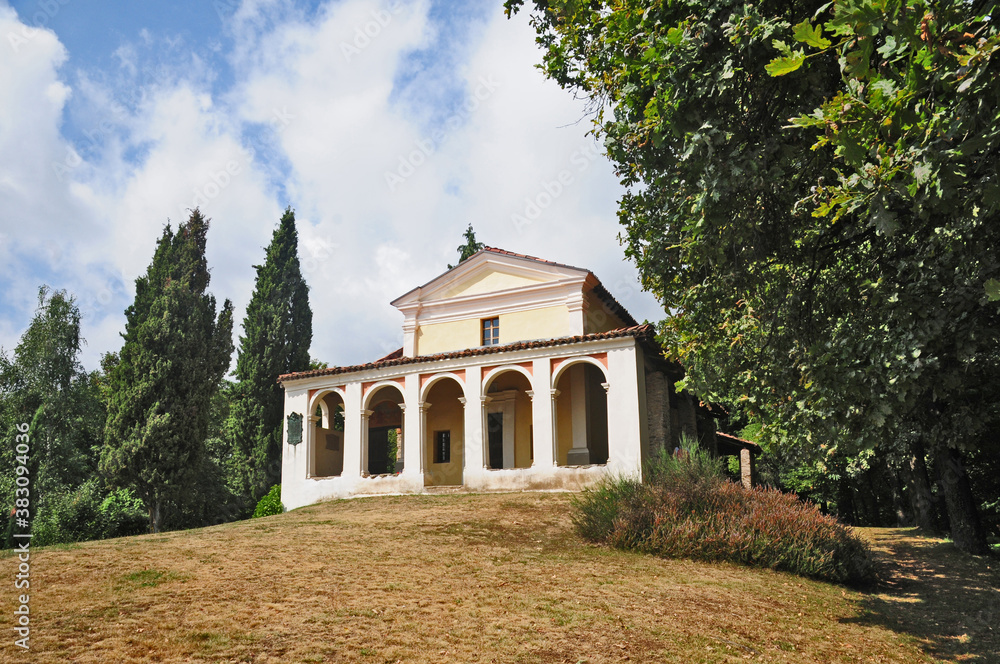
(626, 411)
(626, 430)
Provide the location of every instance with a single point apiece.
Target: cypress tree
(175, 355)
(470, 247)
(277, 332)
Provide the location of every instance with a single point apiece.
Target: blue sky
(389, 126)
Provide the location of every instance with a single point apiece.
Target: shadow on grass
(949, 601)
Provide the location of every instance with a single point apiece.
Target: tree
(277, 333)
(817, 214)
(43, 385)
(470, 247)
(175, 353)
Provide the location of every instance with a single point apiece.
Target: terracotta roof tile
(739, 441)
(644, 333)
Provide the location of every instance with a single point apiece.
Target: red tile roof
(742, 442)
(644, 333)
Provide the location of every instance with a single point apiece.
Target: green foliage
(42, 384)
(270, 504)
(686, 510)
(689, 462)
(392, 449)
(470, 247)
(87, 512)
(812, 191)
(277, 333)
(170, 367)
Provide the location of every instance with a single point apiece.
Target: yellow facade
(446, 413)
(490, 282)
(598, 318)
(545, 323)
(564, 419)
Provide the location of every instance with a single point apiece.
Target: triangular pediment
(490, 271)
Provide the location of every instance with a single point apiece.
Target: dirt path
(947, 600)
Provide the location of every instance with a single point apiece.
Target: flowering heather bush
(686, 509)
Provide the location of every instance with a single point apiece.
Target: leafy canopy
(812, 193)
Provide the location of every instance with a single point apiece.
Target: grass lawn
(482, 578)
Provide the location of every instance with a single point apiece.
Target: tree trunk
(914, 472)
(154, 516)
(904, 515)
(966, 528)
(845, 501)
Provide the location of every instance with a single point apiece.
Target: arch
(508, 425)
(319, 399)
(580, 413)
(426, 388)
(442, 422)
(326, 434)
(568, 362)
(374, 389)
(496, 371)
(383, 430)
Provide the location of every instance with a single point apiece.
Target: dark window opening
(494, 425)
(442, 447)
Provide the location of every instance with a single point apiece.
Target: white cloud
(331, 105)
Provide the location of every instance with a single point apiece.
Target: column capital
(365, 413)
(555, 393)
(606, 386)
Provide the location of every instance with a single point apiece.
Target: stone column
(310, 440)
(475, 411)
(747, 470)
(542, 414)
(413, 429)
(689, 421)
(355, 431)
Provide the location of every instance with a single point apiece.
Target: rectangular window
(491, 331)
(442, 447)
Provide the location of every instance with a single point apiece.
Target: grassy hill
(481, 578)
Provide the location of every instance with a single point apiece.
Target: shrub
(686, 509)
(87, 512)
(270, 504)
(123, 514)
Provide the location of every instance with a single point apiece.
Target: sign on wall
(294, 429)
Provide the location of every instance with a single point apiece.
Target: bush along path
(686, 508)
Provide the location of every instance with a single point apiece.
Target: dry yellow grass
(448, 578)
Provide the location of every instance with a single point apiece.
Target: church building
(516, 373)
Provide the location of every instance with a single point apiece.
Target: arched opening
(328, 436)
(581, 415)
(509, 432)
(444, 433)
(384, 440)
